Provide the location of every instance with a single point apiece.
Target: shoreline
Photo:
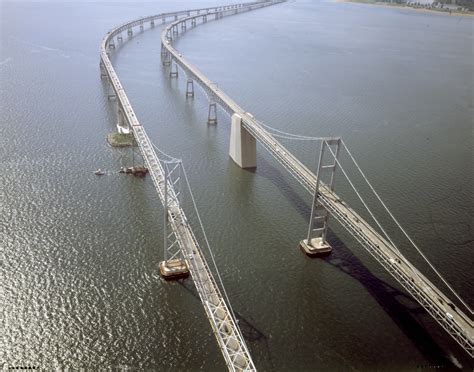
(404, 6)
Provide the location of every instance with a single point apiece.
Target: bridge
(245, 132)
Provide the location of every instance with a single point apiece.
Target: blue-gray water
(79, 254)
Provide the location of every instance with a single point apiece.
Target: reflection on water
(79, 253)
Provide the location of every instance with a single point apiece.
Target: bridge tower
(315, 243)
(243, 147)
(173, 266)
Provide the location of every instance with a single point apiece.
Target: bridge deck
(452, 319)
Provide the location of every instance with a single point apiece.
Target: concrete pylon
(122, 124)
(243, 147)
(173, 70)
(212, 113)
(190, 88)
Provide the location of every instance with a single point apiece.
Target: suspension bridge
(182, 250)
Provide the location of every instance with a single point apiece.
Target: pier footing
(317, 247)
(120, 140)
(174, 269)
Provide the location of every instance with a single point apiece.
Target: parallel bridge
(438, 305)
(230, 340)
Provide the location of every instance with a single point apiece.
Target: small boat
(99, 172)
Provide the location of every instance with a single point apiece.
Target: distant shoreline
(403, 6)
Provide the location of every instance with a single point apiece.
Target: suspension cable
(414, 270)
(403, 230)
(172, 160)
(362, 200)
(289, 135)
(209, 248)
(169, 158)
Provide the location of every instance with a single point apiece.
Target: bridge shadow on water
(250, 332)
(401, 307)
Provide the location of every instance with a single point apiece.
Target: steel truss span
(437, 304)
(224, 326)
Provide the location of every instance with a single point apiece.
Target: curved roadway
(438, 305)
(452, 319)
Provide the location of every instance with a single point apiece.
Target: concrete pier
(174, 269)
(212, 113)
(317, 247)
(190, 88)
(122, 124)
(243, 147)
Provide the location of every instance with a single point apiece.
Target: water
(80, 253)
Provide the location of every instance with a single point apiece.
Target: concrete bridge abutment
(243, 146)
(122, 124)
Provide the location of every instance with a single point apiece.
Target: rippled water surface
(79, 254)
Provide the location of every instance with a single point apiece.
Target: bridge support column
(173, 266)
(152, 23)
(204, 19)
(212, 114)
(193, 22)
(110, 91)
(190, 88)
(122, 124)
(175, 17)
(316, 244)
(163, 20)
(167, 59)
(103, 73)
(163, 52)
(173, 71)
(130, 32)
(183, 26)
(119, 37)
(243, 147)
(175, 30)
(112, 44)
(141, 26)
